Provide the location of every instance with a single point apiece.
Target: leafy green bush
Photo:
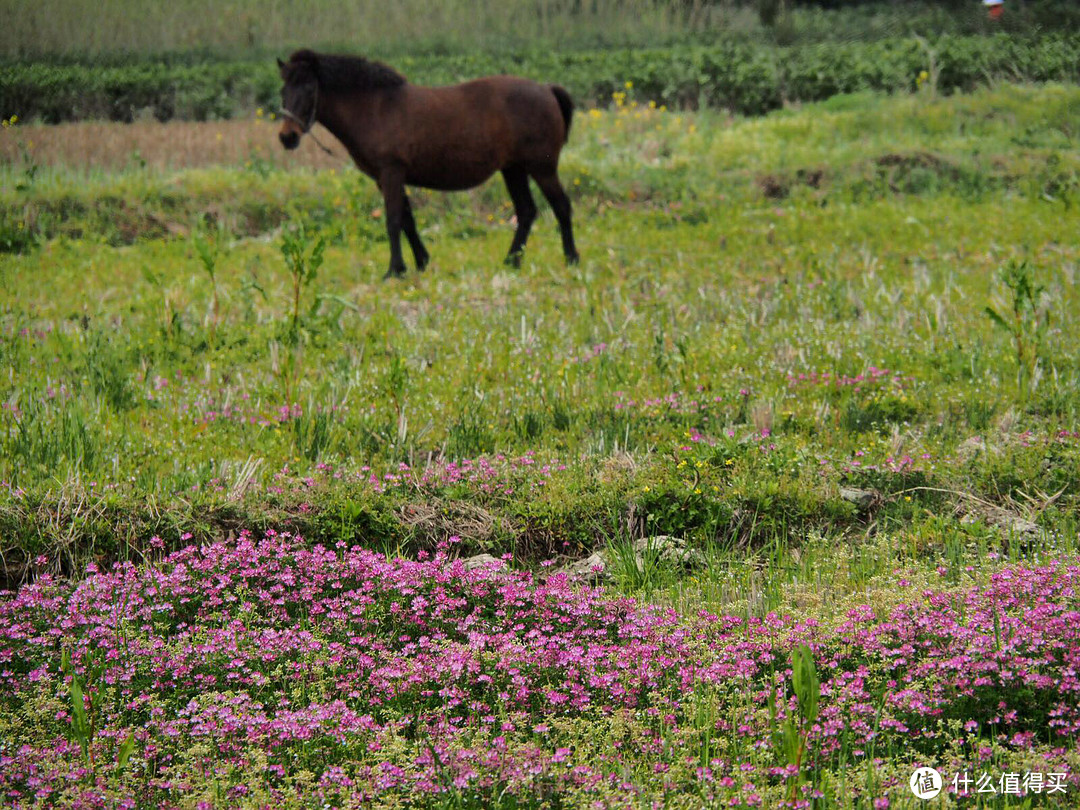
(746, 78)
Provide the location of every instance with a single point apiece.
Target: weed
(790, 736)
(209, 252)
(1024, 318)
(85, 698)
(303, 252)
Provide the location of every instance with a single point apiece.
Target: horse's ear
(281, 66)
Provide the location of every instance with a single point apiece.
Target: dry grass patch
(437, 520)
(169, 145)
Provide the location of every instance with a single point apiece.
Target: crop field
(779, 487)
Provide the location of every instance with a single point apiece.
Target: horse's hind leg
(392, 185)
(517, 183)
(408, 224)
(560, 206)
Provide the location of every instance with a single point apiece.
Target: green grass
(121, 29)
(777, 347)
(722, 259)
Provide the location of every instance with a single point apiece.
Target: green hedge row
(745, 78)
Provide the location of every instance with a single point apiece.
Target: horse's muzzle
(290, 140)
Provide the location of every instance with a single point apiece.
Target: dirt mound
(779, 186)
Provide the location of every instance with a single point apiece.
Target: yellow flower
(629, 85)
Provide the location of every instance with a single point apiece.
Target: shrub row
(75, 92)
(744, 78)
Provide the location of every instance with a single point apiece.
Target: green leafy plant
(1024, 318)
(790, 737)
(209, 251)
(750, 78)
(635, 573)
(85, 697)
(124, 752)
(396, 381)
(302, 248)
(108, 368)
(15, 235)
(30, 166)
(313, 431)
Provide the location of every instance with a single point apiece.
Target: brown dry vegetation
(170, 145)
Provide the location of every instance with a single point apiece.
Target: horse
(443, 138)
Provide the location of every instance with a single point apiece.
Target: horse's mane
(348, 72)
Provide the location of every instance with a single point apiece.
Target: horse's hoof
(513, 260)
(573, 259)
(394, 273)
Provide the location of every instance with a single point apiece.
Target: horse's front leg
(392, 185)
(517, 183)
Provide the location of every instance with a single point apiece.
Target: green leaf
(79, 722)
(992, 314)
(337, 299)
(125, 751)
(792, 741)
(805, 680)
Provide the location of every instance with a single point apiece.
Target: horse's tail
(566, 107)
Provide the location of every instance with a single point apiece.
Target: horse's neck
(349, 118)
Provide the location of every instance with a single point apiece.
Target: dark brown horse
(445, 138)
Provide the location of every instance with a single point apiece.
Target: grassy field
(832, 349)
(121, 29)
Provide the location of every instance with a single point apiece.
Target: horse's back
(455, 137)
(519, 112)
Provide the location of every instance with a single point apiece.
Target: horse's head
(299, 97)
